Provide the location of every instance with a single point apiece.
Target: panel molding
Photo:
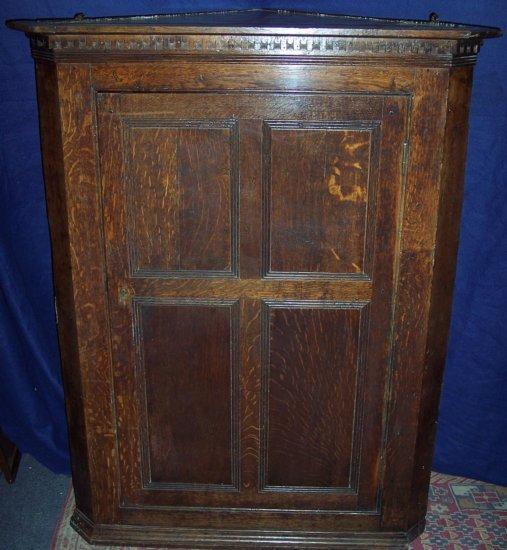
(157, 122)
(373, 128)
(357, 425)
(138, 303)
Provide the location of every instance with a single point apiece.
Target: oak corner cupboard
(254, 217)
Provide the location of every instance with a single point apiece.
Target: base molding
(168, 537)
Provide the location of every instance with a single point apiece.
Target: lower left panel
(187, 382)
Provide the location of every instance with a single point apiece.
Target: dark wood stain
(311, 375)
(254, 221)
(154, 199)
(411, 317)
(186, 355)
(447, 237)
(224, 21)
(179, 211)
(357, 133)
(54, 179)
(205, 217)
(326, 170)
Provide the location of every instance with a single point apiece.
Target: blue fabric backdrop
(472, 435)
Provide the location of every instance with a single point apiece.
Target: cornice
(291, 47)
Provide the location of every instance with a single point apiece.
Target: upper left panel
(181, 192)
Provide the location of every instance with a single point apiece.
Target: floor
(463, 514)
(28, 523)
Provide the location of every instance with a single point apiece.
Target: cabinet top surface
(256, 21)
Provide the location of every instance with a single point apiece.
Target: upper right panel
(320, 180)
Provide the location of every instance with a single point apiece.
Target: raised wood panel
(182, 197)
(351, 128)
(318, 198)
(312, 355)
(188, 378)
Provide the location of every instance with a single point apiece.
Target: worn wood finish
(54, 180)
(181, 75)
(260, 20)
(254, 219)
(446, 247)
(414, 274)
(351, 202)
(250, 33)
(328, 171)
(69, 175)
(190, 415)
(181, 208)
(308, 436)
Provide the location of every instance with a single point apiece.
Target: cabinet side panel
(54, 180)
(77, 108)
(413, 290)
(444, 269)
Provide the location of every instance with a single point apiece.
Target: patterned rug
(463, 514)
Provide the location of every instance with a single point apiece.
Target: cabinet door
(251, 243)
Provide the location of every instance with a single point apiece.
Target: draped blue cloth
(472, 433)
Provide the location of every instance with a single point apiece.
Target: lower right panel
(314, 362)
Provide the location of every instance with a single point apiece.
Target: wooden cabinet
(254, 219)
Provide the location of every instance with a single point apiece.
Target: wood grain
(213, 105)
(55, 188)
(153, 196)
(317, 187)
(452, 176)
(182, 75)
(188, 355)
(411, 316)
(254, 288)
(355, 135)
(262, 20)
(179, 197)
(80, 279)
(311, 362)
